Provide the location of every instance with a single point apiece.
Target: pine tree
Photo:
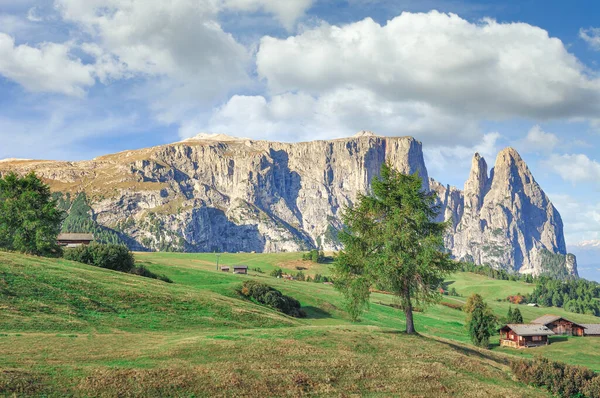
(392, 242)
(510, 316)
(517, 317)
(481, 324)
(29, 216)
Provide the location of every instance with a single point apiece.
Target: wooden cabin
(524, 335)
(225, 269)
(560, 325)
(74, 240)
(240, 269)
(591, 329)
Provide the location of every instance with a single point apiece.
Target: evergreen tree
(392, 243)
(517, 317)
(509, 316)
(481, 323)
(29, 217)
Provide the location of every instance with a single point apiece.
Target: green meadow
(68, 329)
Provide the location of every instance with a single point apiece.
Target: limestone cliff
(221, 193)
(505, 219)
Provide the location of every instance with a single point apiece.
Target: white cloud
(180, 49)
(537, 140)
(487, 69)
(300, 116)
(440, 159)
(581, 219)
(591, 36)
(574, 167)
(48, 67)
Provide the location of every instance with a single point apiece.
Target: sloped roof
(89, 237)
(592, 328)
(546, 319)
(529, 329)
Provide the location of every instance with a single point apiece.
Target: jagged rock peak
(476, 184)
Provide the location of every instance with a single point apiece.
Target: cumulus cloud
(537, 140)
(581, 219)
(300, 116)
(574, 167)
(591, 36)
(441, 158)
(48, 67)
(486, 69)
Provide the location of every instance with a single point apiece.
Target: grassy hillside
(73, 330)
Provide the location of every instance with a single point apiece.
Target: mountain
(222, 193)
(505, 218)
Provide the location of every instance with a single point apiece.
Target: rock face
(220, 193)
(505, 219)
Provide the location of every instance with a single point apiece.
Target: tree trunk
(408, 312)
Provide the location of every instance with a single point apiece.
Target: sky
(82, 78)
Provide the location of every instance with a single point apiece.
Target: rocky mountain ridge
(220, 193)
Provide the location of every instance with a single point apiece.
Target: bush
(558, 378)
(277, 273)
(115, 257)
(266, 295)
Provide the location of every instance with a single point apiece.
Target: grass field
(69, 329)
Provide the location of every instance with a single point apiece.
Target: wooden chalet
(524, 335)
(591, 329)
(225, 269)
(74, 240)
(560, 325)
(240, 269)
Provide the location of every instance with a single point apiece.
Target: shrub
(558, 378)
(115, 257)
(277, 273)
(266, 295)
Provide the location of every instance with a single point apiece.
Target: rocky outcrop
(220, 193)
(507, 221)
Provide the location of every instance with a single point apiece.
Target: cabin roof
(592, 328)
(548, 318)
(240, 266)
(529, 329)
(77, 236)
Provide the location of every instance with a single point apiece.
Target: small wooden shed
(225, 269)
(560, 325)
(240, 269)
(524, 335)
(74, 240)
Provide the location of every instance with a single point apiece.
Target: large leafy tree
(392, 243)
(29, 217)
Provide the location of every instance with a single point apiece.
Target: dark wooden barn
(560, 325)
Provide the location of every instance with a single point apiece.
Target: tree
(472, 301)
(509, 316)
(481, 324)
(517, 317)
(29, 217)
(391, 242)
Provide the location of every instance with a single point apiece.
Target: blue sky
(82, 78)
